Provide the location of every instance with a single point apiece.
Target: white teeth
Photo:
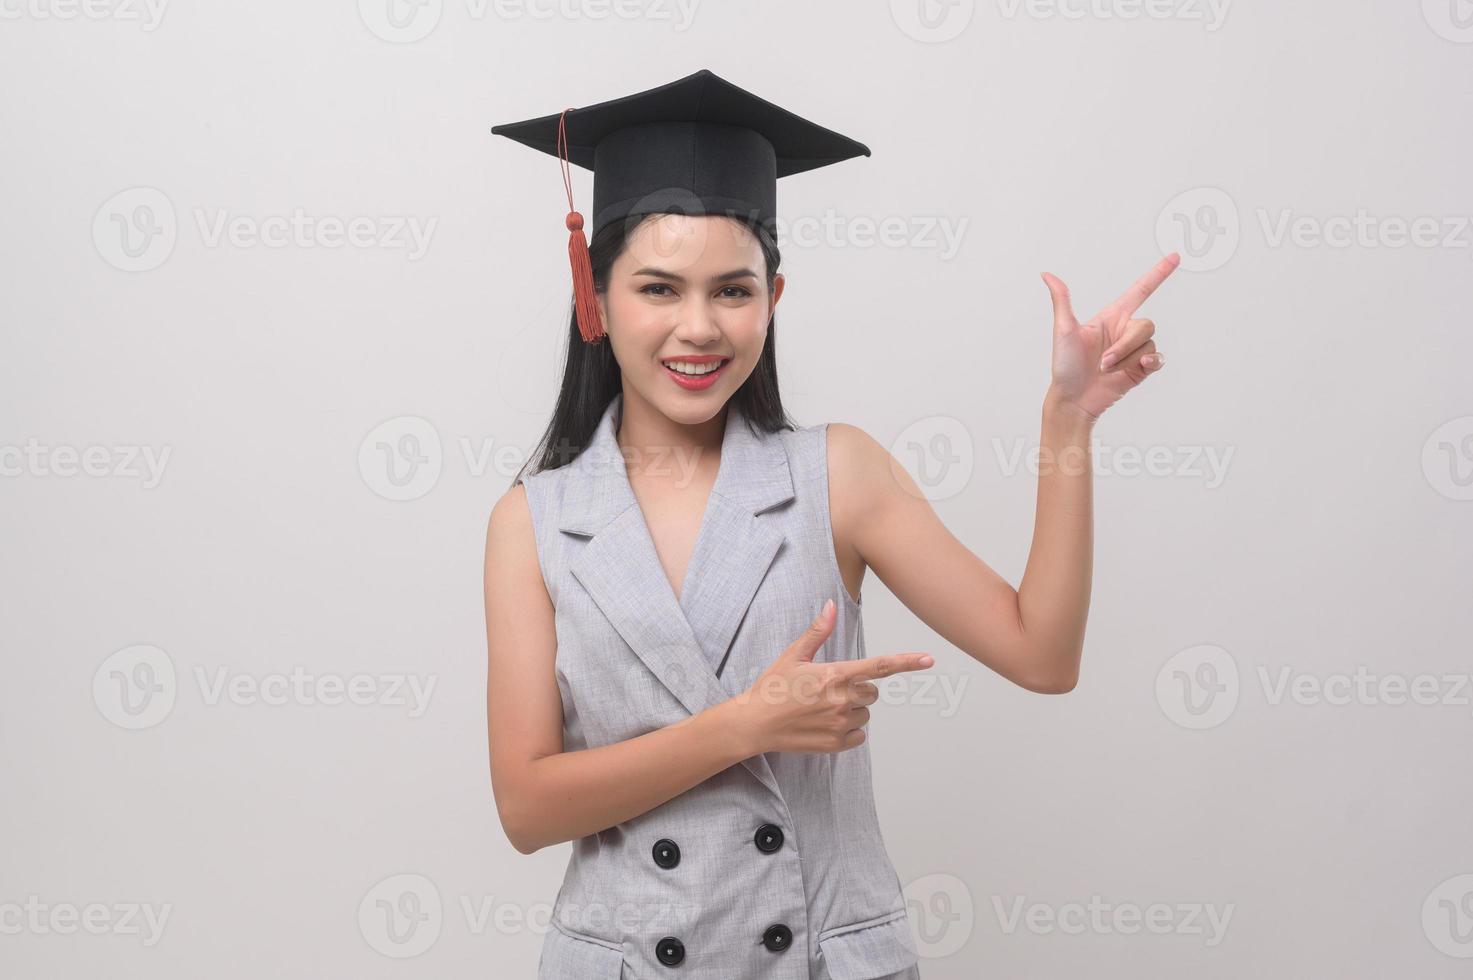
(687, 368)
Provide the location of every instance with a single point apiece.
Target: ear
(777, 292)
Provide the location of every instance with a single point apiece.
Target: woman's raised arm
(1034, 635)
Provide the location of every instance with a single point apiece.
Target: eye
(741, 291)
(654, 285)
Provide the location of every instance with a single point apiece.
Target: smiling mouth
(691, 369)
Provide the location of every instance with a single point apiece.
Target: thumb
(806, 646)
(1063, 309)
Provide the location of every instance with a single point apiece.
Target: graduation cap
(698, 145)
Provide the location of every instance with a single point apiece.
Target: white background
(1086, 139)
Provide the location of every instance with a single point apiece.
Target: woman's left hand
(1096, 362)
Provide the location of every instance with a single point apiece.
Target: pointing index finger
(1132, 298)
(872, 667)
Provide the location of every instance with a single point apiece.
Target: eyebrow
(665, 274)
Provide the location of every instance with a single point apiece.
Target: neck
(659, 448)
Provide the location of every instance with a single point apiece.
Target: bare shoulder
(857, 463)
(850, 443)
(510, 514)
(859, 468)
(510, 542)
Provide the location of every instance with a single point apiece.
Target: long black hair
(591, 376)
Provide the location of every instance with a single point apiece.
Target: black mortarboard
(698, 145)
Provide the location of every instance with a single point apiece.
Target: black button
(670, 951)
(769, 838)
(777, 938)
(667, 853)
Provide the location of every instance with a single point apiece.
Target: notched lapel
(682, 642)
(622, 572)
(731, 557)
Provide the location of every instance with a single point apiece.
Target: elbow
(1059, 676)
(518, 829)
(1061, 683)
(524, 842)
(518, 837)
(524, 845)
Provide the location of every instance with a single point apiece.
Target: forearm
(573, 794)
(1053, 596)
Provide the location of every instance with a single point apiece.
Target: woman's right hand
(797, 705)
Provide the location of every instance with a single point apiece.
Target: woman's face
(692, 290)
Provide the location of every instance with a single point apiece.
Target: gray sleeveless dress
(775, 867)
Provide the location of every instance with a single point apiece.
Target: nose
(698, 322)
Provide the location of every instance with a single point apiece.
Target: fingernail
(927, 660)
(1106, 361)
(827, 605)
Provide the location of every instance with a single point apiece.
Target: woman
(677, 677)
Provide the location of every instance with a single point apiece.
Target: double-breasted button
(769, 838)
(777, 938)
(666, 852)
(670, 951)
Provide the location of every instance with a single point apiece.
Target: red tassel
(585, 297)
